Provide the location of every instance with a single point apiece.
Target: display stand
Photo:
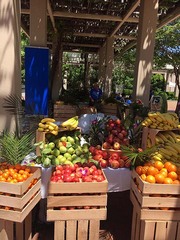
(156, 212)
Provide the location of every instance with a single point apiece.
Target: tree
(24, 43)
(167, 50)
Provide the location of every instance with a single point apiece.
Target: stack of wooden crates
(156, 210)
(76, 209)
(64, 112)
(17, 202)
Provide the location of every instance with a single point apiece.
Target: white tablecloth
(118, 179)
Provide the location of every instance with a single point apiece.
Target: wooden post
(145, 49)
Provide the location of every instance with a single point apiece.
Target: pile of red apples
(116, 135)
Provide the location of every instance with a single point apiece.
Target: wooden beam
(81, 45)
(87, 16)
(169, 18)
(126, 16)
(50, 12)
(99, 35)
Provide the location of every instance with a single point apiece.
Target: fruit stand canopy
(86, 24)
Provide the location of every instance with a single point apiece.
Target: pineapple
(97, 132)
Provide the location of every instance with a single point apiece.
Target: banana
(40, 129)
(161, 135)
(158, 140)
(42, 125)
(70, 122)
(44, 120)
(176, 146)
(173, 151)
(165, 152)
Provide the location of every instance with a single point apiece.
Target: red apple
(116, 146)
(120, 136)
(115, 156)
(118, 121)
(106, 145)
(121, 163)
(103, 163)
(125, 141)
(105, 155)
(114, 164)
(98, 157)
(124, 132)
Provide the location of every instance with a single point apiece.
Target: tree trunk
(177, 72)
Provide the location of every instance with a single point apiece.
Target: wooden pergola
(87, 26)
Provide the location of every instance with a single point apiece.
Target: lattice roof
(86, 24)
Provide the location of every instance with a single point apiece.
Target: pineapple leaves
(13, 149)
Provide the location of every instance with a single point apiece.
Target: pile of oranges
(14, 174)
(159, 172)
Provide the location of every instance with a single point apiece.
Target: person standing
(95, 95)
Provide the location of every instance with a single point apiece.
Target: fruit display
(19, 191)
(14, 173)
(162, 138)
(76, 173)
(113, 159)
(70, 124)
(48, 125)
(116, 135)
(162, 121)
(159, 172)
(66, 148)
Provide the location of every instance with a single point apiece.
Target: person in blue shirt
(95, 95)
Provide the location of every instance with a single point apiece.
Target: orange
(152, 171)
(168, 180)
(172, 168)
(18, 166)
(27, 169)
(159, 178)
(164, 172)
(166, 164)
(144, 169)
(159, 165)
(172, 175)
(150, 179)
(176, 182)
(139, 170)
(21, 172)
(143, 177)
(148, 164)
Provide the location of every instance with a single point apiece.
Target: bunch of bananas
(70, 124)
(162, 138)
(168, 152)
(162, 121)
(48, 125)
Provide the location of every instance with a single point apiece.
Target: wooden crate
(76, 229)
(79, 195)
(156, 210)
(10, 230)
(64, 112)
(86, 110)
(41, 136)
(18, 198)
(160, 202)
(79, 222)
(154, 229)
(109, 109)
(151, 133)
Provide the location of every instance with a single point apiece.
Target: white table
(118, 179)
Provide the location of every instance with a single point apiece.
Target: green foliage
(13, 149)
(24, 43)
(158, 83)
